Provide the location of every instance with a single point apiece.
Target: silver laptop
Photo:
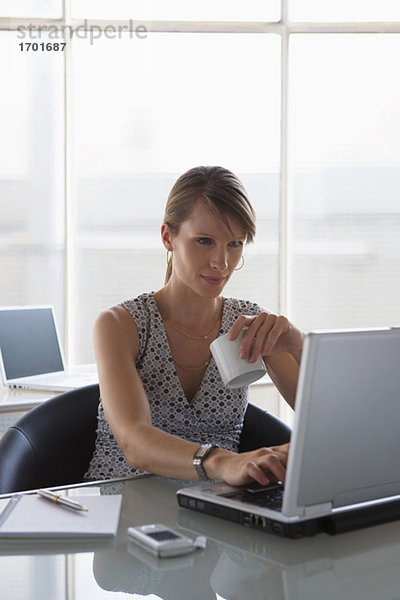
(30, 352)
(343, 470)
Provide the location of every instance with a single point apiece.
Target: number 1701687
(42, 46)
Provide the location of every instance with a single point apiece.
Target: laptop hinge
(318, 510)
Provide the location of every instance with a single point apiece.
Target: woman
(161, 394)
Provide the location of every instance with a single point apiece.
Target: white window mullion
(70, 202)
(284, 209)
(283, 212)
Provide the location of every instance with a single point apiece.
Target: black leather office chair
(53, 443)
(261, 428)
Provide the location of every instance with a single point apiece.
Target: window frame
(284, 28)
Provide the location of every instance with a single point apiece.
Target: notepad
(32, 517)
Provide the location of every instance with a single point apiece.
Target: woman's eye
(208, 241)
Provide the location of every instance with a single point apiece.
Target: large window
(344, 158)
(32, 242)
(300, 99)
(186, 100)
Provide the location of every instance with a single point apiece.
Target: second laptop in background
(30, 352)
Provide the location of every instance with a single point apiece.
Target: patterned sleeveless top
(216, 413)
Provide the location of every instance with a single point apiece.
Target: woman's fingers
(273, 463)
(255, 473)
(264, 335)
(282, 452)
(239, 324)
(267, 335)
(266, 467)
(263, 465)
(280, 327)
(252, 325)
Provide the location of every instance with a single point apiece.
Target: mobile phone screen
(161, 536)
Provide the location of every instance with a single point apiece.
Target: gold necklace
(196, 337)
(204, 364)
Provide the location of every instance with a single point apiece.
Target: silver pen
(61, 500)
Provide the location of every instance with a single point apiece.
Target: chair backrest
(52, 444)
(262, 429)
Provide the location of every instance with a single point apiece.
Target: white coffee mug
(235, 372)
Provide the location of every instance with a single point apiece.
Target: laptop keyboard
(268, 496)
(65, 376)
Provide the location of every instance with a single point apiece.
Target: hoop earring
(169, 256)
(241, 266)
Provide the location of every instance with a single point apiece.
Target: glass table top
(237, 564)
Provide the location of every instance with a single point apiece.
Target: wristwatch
(199, 457)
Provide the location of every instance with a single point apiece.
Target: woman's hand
(264, 465)
(267, 334)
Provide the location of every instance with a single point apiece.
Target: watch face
(201, 451)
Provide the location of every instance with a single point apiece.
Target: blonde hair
(221, 191)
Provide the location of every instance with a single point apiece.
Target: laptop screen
(350, 426)
(29, 342)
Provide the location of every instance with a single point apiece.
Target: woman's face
(204, 252)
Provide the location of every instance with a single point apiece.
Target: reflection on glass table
(238, 562)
